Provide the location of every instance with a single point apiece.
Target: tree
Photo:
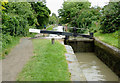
(17, 18)
(110, 17)
(53, 19)
(87, 17)
(72, 12)
(79, 14)
(42, 13)
(3, 3)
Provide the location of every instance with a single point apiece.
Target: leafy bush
(17, 18)
(42, 14)
(110, 18)
(95, 26)
(6, 40)
(79, 14)
(50, 27)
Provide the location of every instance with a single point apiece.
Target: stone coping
(81, 39)
(109, 48)
(73, 65)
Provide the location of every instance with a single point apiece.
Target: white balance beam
(34, 30)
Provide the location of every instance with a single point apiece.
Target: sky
(54, 5)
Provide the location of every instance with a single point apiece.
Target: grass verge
(47, 64)
(109, 38)
(50, 27)
(8, 46)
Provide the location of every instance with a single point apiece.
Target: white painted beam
(34, 30)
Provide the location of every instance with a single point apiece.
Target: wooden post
(91, 35)
(66, 39)
(53, 40)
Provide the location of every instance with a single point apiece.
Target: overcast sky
(54, 5)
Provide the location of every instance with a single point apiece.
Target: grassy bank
(109, 38)
(47, 64)
(7, 44)
(50, 27)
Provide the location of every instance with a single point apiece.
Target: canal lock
(102, 58)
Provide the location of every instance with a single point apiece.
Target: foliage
(110, 18)
(3, 3)
(110, 38)
(47, 64)
(50, 27)
(8, 42)
(71, 9)
(95, 26)
(42, 13)
(90, 19)
(17, 18)
(79, 14)
(53, 19)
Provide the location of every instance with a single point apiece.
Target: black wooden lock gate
(67, 34)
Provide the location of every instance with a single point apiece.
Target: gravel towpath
(16, 60)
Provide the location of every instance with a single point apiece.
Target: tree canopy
(42, 13)
(18, 17)
(53, 19)
(82, 15)
(110, 20)
(3, 3)
(78, 14)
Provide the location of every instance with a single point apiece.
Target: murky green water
(94, 69)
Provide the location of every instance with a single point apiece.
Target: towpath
(16, 60)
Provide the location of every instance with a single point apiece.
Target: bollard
(75, 32)
(53, 40)
(66, 39)
(91, 35)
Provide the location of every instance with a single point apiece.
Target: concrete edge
(107, 47)
(73, 65)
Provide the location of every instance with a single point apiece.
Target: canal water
(94, 69)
